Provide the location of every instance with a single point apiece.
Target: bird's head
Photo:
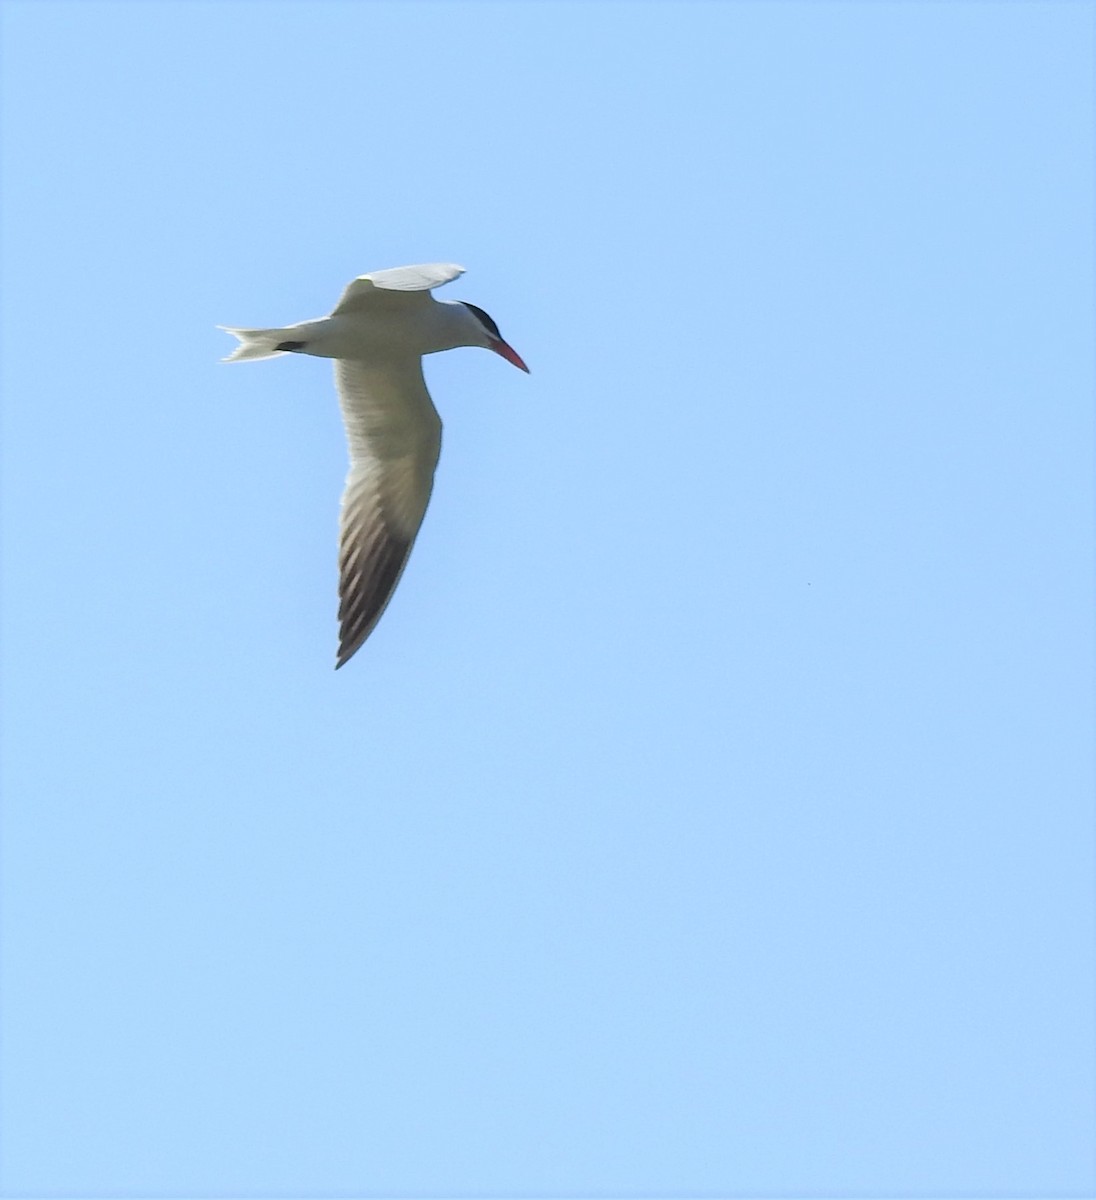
(487, 335)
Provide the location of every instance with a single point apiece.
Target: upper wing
(394, 434)
(367, 289)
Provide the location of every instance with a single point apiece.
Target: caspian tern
(377, 334)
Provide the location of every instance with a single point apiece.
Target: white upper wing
(368, 289)
(394, 434)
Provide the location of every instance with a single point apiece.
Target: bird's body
(378, 332)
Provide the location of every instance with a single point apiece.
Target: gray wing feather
(378, 286)
(394, 435)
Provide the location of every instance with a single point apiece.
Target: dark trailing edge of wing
(368, 574)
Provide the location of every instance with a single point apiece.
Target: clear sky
(711, 812)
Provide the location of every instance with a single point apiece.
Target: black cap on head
(485, 320)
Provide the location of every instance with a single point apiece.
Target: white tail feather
(256, 343)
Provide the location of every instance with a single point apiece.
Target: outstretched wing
(394, 435)
(368, 289)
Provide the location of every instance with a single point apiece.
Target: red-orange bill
(509, 353)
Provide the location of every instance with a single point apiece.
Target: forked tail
(256, 343)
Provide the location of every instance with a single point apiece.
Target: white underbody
(383, 336)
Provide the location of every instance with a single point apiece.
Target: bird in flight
(377, 334)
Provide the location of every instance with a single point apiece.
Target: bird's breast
(371, 338)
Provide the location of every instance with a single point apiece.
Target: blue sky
(711, 812)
